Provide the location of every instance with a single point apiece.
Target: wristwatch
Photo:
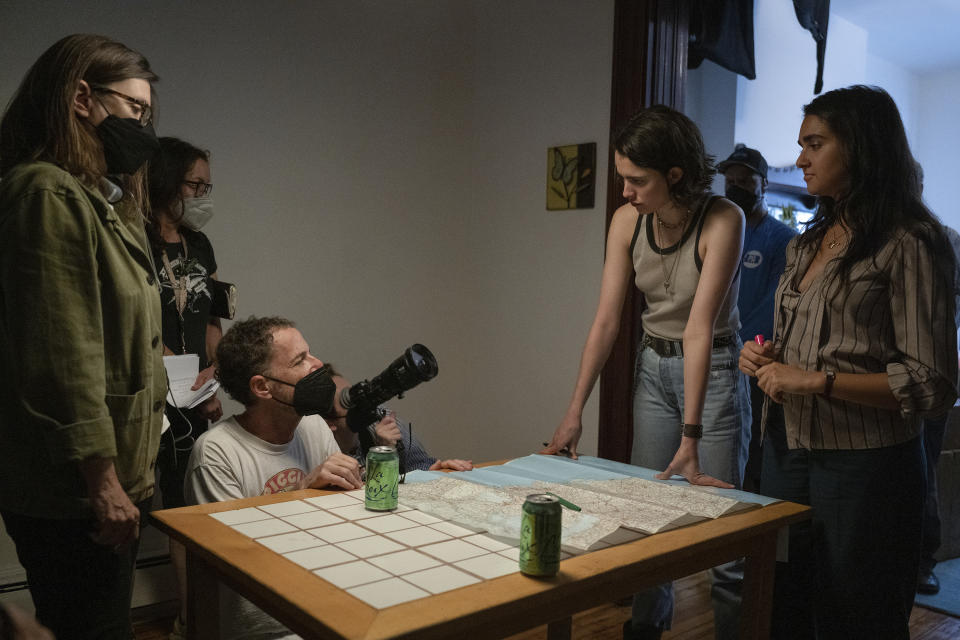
(691, 430)
(828, 384)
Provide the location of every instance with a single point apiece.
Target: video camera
(362, 400)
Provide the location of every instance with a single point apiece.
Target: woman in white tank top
(682, 249)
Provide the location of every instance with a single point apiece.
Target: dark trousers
(80, 589)
(751, 474)
(176, 444)
(933, 429)
(852, 570)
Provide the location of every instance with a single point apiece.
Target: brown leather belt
(674, 348)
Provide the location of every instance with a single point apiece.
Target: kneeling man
(269, 447)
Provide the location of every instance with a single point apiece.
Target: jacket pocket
(131, 421)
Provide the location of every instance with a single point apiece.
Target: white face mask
(197, 212)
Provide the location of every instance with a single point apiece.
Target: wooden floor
(693, 619)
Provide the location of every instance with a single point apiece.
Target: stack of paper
(182, 373)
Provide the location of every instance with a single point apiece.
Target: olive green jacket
(81, 358)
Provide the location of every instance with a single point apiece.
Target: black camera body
(363, 399)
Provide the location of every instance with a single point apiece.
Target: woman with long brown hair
(864, 348)
(82, 400)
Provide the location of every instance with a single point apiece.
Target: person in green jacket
(81, 397)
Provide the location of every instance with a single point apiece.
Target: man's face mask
(313, 394)
(744, 199)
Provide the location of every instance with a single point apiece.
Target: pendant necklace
(668, 274)
(837, 241)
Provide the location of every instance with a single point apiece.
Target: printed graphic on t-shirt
(752, 259)
(286, 480)
(196, 275)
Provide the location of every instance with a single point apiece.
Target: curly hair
(244, 352)
(661, 138)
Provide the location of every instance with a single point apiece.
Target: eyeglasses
(200, 188)
(143, 111)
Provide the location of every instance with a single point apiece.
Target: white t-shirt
(229, 462)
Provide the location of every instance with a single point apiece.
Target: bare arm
(870, 389)
(617, 273)
(722, 245)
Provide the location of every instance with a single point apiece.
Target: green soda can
(540, 535)
(383, 479)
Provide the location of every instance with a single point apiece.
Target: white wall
(379, 173)
(937, 142)
(710, 101)
(767, 111)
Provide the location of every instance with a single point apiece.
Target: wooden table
(494, 608)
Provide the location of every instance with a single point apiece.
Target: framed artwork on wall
(571, 176)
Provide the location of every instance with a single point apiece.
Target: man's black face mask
(744, 199)
(313, 393)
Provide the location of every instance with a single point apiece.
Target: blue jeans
(658, 412)
(657, 415)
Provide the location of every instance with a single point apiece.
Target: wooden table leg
(203, 600)
(758, 588)
(560, 629)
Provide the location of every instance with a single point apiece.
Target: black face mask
(744, 199)
(126, 145)
(313, 394)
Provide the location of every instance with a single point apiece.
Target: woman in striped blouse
(864, 348)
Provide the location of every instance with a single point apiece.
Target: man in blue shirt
(764, 251)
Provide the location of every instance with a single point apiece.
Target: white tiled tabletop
(318, 557)
(387, 593)
(453, 550)
(406, 561)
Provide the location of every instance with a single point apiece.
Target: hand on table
(339, 470)
(565, 438)
(453, 464)
(686, 463)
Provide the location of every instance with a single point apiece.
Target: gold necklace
(837, 241)
(668, 274)
(667, 225)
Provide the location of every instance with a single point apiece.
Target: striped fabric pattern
(891, 315)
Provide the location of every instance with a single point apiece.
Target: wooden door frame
(649, 67)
